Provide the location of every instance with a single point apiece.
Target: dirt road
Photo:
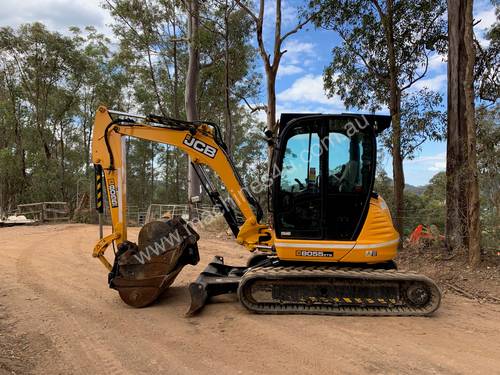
(57, 316)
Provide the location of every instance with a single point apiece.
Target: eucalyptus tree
(422, 119)
(384, 50)
(462, 189)
(103, 80)
(41, 77)
(271, 59)
(227, 73)
(488, 154)
(204, 47)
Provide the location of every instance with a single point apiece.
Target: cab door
(297, 196)
(349, 182)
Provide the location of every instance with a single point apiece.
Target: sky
(299, 86)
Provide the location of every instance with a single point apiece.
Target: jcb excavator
(331, 244)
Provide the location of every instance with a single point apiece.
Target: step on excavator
(330, 245)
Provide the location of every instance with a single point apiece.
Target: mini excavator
(329, 248)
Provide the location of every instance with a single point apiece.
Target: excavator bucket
(142, 272)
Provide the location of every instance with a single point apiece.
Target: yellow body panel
(377, 242)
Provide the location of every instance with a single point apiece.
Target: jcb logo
(200, 146)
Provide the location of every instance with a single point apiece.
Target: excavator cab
(326, 167)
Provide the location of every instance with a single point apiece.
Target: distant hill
(419, 190)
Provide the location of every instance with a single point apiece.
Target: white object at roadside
(17, 219)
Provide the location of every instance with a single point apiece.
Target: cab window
(345, 163)
(300, 169)
(299, 198)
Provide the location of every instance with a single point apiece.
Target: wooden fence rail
(45, 211)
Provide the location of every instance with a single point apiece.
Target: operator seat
(350, 177)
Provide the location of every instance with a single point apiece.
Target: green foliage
(385, 50)
(434, 196)
(427, 208)
(384, 187)
(361, 74)
(51, 85)
(487, 65)
(50, 88)
(241, 60)
(153, 55)
(422, 119)
(488, 147)
(359, 71)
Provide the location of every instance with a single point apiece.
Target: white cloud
(291, 108)
(305, 108)
(57, 15)
(486, 17)
(484, 12)
(297, 52)
(435, 83)
(437, 63)
(294, 46)
(288, 70)
(297, 59)
(288, 13)
(261, 116)
(420, 170)
(432, 163)
(438, 166)
(309, 89)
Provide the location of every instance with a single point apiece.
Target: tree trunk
(271, 107)
(395, 110)
(19, 141)
(190, 94)
(176, 111)
(152, 157)
(64, 196)
(228, 134)
(474, 237)
(456, 155)
(176, 68)
(397, 170)
(178, 157)
(167, 170)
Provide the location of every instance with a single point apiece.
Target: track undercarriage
(272, 287)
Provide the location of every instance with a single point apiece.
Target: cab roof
(379, 122)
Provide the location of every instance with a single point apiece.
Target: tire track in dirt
(91, 340)
(58, 318)
(55, 287)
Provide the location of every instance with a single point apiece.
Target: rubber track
(292, 272)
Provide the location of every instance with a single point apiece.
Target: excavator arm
(201, 141)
